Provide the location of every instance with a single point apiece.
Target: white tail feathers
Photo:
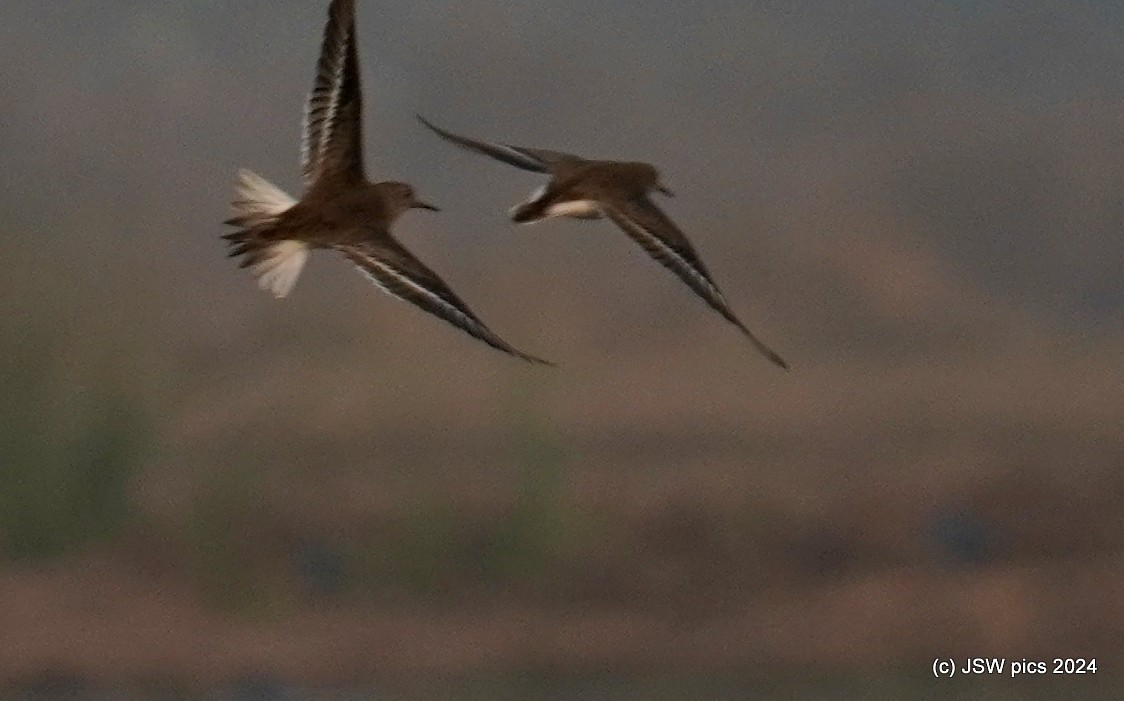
(279, 266)
(259, 201)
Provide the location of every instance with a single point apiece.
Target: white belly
(577, 209)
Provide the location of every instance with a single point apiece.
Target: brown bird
(586, 189)
(341, 209)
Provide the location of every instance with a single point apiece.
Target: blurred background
(205, 492)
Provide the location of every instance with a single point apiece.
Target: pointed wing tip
(527, 357)
(431, 126)
(780, 362)
(538, 361)
(771, 355)
(499, 344)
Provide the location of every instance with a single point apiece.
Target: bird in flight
(341, 209)
(587, 189)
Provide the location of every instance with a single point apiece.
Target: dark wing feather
(662, 239)
(396, 271)
(333, 141)
(534, 160)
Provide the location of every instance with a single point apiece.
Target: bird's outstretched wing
(532, 159)
(397, 272)
(332, 140)
(661, 238)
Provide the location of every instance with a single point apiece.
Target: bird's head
(400, 197)
(653, 181)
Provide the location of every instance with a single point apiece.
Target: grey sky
(992, 130)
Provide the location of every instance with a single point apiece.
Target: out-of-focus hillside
(920, 208)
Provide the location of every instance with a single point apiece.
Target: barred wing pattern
(397, 272)
(663, 241)
(332, 136)
(534, 160)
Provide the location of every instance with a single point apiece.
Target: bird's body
(323, 219)
(341, 209)
(582, 188)
(577, 188)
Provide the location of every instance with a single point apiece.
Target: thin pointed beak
(665, 190)
(418, 204)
